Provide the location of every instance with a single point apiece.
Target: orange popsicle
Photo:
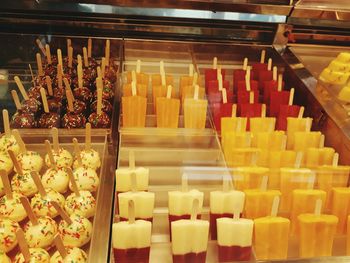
(168, 110)
(141, 89)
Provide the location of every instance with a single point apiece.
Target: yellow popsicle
(188, 92)
(141, 78)
(258, 203)
(195, 111)
(141, 90)
(296, 125)
(248, 177)
(315, 157)
(134, 110)
(305, 140)
(168, 111)
(340, 207)
(232, 124)
(273, 141)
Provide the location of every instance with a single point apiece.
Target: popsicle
(271, 141)
(141, 89)
(131, 239)
(190, 237)
(221, 110)
(276, 84)
(278, 98)
(265, 75)
(141, 78)
(162, 78)
(123, 177)
(293, 178)
(143, 202)
(304, 201)
(215, 87)
(247, 83)
(180, 202)
(187, 80)
(188, 91)
(232, 123)
(262, 123)
(251, 110)
(286, 111)
(315, 157)
(258, 202)
(211, 74)
(316, 233)
(222, 203)
(305, 140)
(134, 109)
(257, 67)
(295, 125)
(168, 111)
(239, 74)
(271, 235)
(195, 111)
(235, 237)
(340, 207)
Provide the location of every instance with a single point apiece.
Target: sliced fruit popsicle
(271, 235)
(168, 111)
(340, 207)
(316, 233)
(190, 237)
(222, 204)
(195, 111)
(137, 248)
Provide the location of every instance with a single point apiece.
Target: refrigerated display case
(295, 34)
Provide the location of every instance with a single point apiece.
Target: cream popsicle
(271, 235)
(136, 249)
(222, 204)
(190, 237)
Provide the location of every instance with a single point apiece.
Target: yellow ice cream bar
(334, 77)
(258, 203)
(304, 201)
(305, 140)
(248, 177)
(291, 179)
(316, 235)
(315, 157)
(195, 113)
(233, 124)
(144, 204)
(262, 124)
(123, 179)
(340, 207)
(141, 78)
(340, 66)
(134, 111)
(168, 111)
(296, 125)
(271, 237)
(344, 94)
(240, 156)
(188, 92)
(231, 140)
(157, 80)
(272, 141)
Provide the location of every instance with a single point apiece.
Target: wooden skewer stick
(195, 209)
(59, 57)
(49, 85)
(19, 140)
(40, 45)
(31, 73)
(245, 63)
(107, 51)
(69, 97)
(89, 47)
(85, 56)
(40, 65)
(48, 54)
(131, 212)
(21, 87)
(70, 57)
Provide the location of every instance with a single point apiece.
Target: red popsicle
(257, 67)
(278, 98)
(272, 85)
(289, 110)
(265, 75)
(243, 84)
(211, 74)
(220, 110)
(215, 87)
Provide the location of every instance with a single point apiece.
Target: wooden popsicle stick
(195, 209)
(245, 63)
(16, 99)
(26, 205)
(73, 182)
(6, 183)
(275, 206)
(335, 160)
(133, 182)
(40, 65)
(49, 153)
(131, 211)
(131, 160)
(38, 183)
(234, 110)
(291, 97)
(274, 73)
(284, 143)
(220, 82)
(318, 207)
(308, 124)
(226, 182)
(264, 183)
(195, 79)
(21, 87)
(269, 64)
(224, 96)
(89, 49)
(247, 79)
(49, 85)
(138, 66)
(44, 100)
(218, 72)
(23, 245)
(77, 152)
(322, 139)
(196, 92)
(48, 54)
(262, 56)
(85, 56)
(103, 67)
(80, 75)
(298, 160)
(215, 63)
(70, 57)
(56, 144)
(107, 51)
(168, 92)
(60, 246)
(61, 212)
(301, 112)
(190, 70)
(88, 136)
(163, 79)
(251, 97)
(184, 182)
(263, 110)
(239, 125)
(15, 162)
(311, 182)
(40, 45)
(272, 123)
(133, 76)
(69, 97)
(254, 159)
(279, 82)
(59, 57)
(19, 140)
(31, 73)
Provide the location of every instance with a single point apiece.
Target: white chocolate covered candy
(42, 234)
(90, 158)
(31, 161)
(4, 258)
(86, 179)
(8, 239)
(37, 255)
(63, 158)
(42, 206)
(84, 205)
(75, 255)
(76, 234)
(12, 208)
(9, 143)
(6, 163)
(24, 184)
(56, 179)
